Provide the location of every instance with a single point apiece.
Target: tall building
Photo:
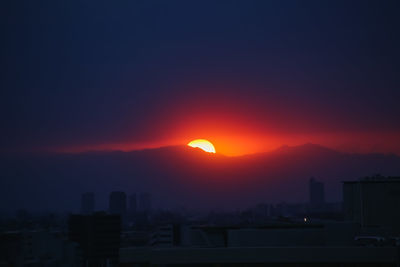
(373, 202)
(144, 202)
(98, 236)
(87, 203)
(132, 203)
(317, 194)
(117, 203)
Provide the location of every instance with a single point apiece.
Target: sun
(202, 144)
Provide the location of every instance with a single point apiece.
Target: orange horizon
(240, 145)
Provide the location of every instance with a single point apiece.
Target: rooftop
(376, 179)
(177, 255)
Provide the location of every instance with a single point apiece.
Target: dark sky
(99, 73)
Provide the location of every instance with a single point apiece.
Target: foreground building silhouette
(264, 235)
(368, 236)
(374, 203)
(38, 248)
(98, 236)
(291, 244)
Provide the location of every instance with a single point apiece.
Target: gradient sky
(247, 75)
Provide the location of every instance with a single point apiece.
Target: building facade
(317, 194)
(373, 202)
(98, 236)
(87, 203)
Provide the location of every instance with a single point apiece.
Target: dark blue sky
(96, 72)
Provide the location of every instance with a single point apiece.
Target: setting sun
(203, 144)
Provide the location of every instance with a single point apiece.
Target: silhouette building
(87, 203)
(144, 202)
(117, 203)
(38, 248)
(132, 203)
(98, 236)
(317, 194)
(273, 245)
(373, 202)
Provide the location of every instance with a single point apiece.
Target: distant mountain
(181, 176)
(306, 149)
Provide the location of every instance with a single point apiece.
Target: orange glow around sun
(203, 144)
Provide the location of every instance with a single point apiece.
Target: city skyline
(200, 133)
